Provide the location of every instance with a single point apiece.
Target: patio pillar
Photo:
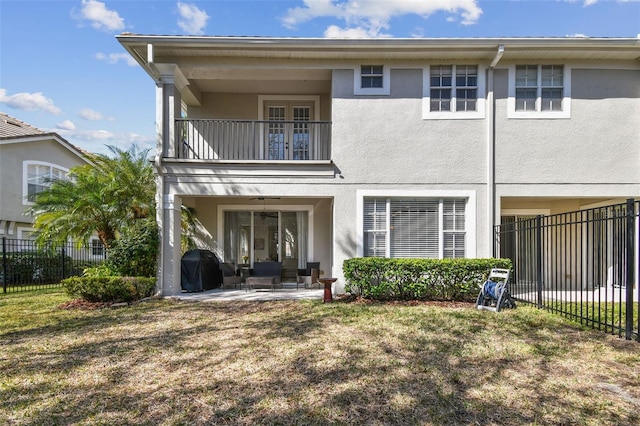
(170, 245)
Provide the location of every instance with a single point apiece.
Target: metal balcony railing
(252, 140)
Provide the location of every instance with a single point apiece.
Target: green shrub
(109, 289)
(36, 267)
(423, 279)
(136, 252)
(102, 270)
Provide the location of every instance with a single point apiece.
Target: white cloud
(29, 102)
(372, 17)
(66, 125)
(91, 115)
(192, 20)
(590, 2)
(333, 31)
(114, 58)
(100, 17)
(577, 35)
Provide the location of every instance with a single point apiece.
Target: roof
(13, 130)
(11, 127)
(560, 48)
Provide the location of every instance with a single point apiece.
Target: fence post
(630, 249)
(5, 274)
(539, 258)
(63, 263)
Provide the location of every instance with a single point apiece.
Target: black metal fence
(25, 266)
(581, 264)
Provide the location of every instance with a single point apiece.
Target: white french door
(288, 134)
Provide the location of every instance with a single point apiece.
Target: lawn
(287, 362)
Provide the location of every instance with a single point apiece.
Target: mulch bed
(83, 305)
(349, 298)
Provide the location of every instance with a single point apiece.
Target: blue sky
(62, 70)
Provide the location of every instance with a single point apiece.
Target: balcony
(249, 140)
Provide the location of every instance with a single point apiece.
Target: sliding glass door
(267, 235)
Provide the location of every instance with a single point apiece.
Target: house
(29, 159)
(324, 149)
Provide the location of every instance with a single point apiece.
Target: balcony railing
(252, 140)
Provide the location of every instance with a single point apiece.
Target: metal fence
(25, 266)
(581, 264)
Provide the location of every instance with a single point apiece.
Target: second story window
(539, 91)
(38, 177)
(371, 79)
(371, 76)
(454, 87)
(539, 87)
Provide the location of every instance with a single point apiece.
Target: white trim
(257, 207)
(566, 100)
(290, 98)
(385, 90)
(470, 211)
(2, 226)
(525, 212)
(11, 228)
(44, 138)
(25, 177)
(427, 114)
(23, 229)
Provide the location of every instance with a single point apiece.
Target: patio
(288, 292)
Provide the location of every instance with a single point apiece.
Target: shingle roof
(11, 127)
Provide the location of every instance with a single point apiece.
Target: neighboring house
(29, 159)
(325, 149)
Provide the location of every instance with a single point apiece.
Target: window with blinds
(414, 228)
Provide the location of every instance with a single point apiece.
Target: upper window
(38, 176)
(539, 91)
(371, 76)
(453, 91)
(414, 227)
(372, 80)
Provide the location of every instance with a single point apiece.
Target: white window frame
(427, 114)
(470, 213)
(25, 177)
(538, 113)
(385, 90)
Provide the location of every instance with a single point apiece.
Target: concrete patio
(254, 295)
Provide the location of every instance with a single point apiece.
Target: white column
(170, 245)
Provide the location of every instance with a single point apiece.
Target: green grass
(288, 362)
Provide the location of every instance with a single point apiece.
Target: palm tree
(76, 208)
(108, 198)
(130, 177)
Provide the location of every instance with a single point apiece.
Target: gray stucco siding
(12, 157)
(386, 140)
(595, 145)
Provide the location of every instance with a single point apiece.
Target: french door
(288, 134)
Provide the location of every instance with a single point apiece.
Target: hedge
(109, 289)
(418, 279)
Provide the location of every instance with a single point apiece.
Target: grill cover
(200, 270)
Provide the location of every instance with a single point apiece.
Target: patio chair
(308, 276)
(494, 292)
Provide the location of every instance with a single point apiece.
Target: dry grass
(164, 363)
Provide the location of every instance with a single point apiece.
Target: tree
(109, 198)
(106, 198)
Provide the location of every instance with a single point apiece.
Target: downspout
(491, 151)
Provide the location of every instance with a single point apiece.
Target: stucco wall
(599, 144)
(12, 156)
(383, 139)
